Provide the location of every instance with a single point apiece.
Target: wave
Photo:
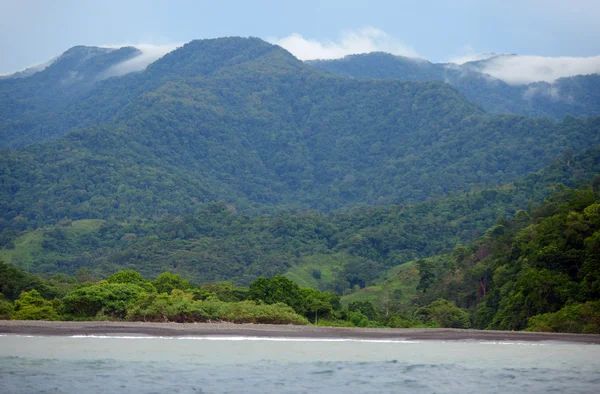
(245, 338)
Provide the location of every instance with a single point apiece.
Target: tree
(131, 277)
(277, 289)
(32, 306)
(443, 313)
(365, 307)
(388, 298)
(103, 298)
(6, 309)
(167, 282)
(426, 274)
(318, 303)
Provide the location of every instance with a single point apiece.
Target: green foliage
(101, 299)
(426, 274)
(535, 292)
(14, 281)
(444, 314)
(531, 271)
(131, 277)
(278, 289)
(320, 304)
(6, 309)
(366, 308)
(32, 306)
(357, 319)
(225, 291)
(405, 321)
(181, 307)
(167, 282)
(578, 318)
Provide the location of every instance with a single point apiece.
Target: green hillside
(328, 251)
(243, 122)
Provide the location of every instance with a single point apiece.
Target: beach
(65, 328)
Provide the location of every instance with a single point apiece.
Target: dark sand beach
(48, 328)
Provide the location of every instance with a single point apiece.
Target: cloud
(520, 70)
(542, 90)
(364, 40)
(149, 53)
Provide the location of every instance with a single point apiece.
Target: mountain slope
(47, 103)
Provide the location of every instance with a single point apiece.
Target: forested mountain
(244, 122)
(338, 251)
(576, 95)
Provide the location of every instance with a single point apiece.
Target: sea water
(135, 364)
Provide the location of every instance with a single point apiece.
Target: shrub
(443, 313)
(32, 306)
(103, 298)
(6, 309)
(181, 307)
(578, 318)
(167, 282)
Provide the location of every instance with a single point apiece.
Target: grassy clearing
(85, 225)
(28, 247)
(401, 278)
(306, 274)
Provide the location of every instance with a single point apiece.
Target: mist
(349, 42)
(149, 54)
(521, 70)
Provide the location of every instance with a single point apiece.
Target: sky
(34, 31)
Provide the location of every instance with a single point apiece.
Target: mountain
(576, 95)
(244, 122)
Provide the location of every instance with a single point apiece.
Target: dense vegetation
(539, 271)
(126, 295)
(338, 251)
(576, 95)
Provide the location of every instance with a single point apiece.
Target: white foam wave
(245, 338)
(512, 343)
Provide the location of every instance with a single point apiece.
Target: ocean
(134, 364)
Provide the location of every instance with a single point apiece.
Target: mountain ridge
(576, 95)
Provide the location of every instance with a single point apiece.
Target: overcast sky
(33, 31)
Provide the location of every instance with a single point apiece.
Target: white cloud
(364, 40)
(520, 70)
(150, 53)
(542, 90)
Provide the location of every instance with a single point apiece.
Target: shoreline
(66, 328)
